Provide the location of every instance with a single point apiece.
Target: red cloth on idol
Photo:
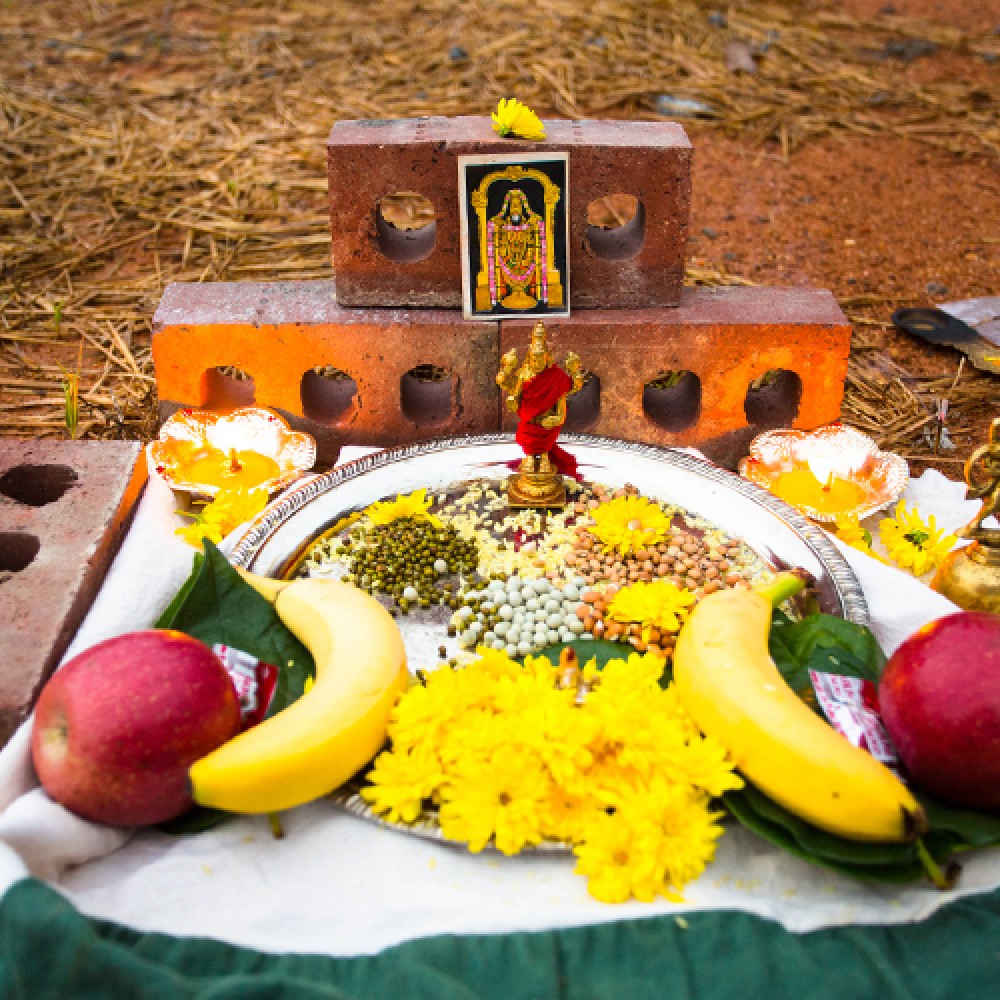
(539, 394)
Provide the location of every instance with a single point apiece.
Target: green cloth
(49, 951)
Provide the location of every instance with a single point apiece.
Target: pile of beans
(685, 559)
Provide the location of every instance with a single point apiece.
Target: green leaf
(823, 643)
(170, 612)
(215, 605)
(818, 843)
(968, 828)
(599, 650)
(195, 820)
(742, 807)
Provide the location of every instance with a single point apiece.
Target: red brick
(727, 337)
(278, 332)
(72, 499)
(370, 159)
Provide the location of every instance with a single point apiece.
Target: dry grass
(146, 142)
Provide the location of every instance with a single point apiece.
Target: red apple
(940, 700)
(117, 728)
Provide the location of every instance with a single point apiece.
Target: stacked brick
(405, 364)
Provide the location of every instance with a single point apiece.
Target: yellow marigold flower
(512, 118)
(913, 543)
(660, 604)
(629, 523)
(502, 798)
(619, 860)
(227, 510)
(415, 505)
(400, 782)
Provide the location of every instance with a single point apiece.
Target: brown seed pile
(688, 559)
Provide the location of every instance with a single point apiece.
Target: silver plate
(778, 533)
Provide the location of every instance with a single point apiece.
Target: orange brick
(277, 333)
(727, 337)
(368, 160)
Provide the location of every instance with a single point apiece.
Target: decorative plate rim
(280, 510)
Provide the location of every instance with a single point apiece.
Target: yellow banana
(333, 730)
(732, 689)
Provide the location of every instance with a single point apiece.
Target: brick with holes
(64, 507)
(386, 376)
(637, 264)
(794, 342)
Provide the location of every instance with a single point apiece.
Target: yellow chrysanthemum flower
(619, 860)
(660, 604)
(512, 118)
(704, 765)
(913, 543)
(502, 799)
(509, 757)
(852, 532)
(629, 523)
(227, 510)
(415, 505)
(687, 829)
(567, 816)
(400, 782)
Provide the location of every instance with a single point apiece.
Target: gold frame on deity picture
(514, 213)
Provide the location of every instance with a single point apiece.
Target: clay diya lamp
(828, 474)
(201, 452)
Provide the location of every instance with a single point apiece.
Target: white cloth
(339, 885)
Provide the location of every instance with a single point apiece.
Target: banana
(733, 691)
(333, 730)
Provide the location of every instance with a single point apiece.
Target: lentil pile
(521, 581)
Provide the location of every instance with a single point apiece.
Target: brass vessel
(970, 576)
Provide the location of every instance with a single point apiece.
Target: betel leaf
(969, 828)
(215, 605)
(823, 643)
(599, 650)
(779, 833)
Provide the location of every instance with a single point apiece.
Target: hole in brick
(37, 485)
(616, 226)
(773, 399)
(327, 393)
(405, 226)
(17, 550)
(672, 399)
(583, 407)
(227, 387)
(425, 394)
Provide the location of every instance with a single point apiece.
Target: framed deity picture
(514, 213)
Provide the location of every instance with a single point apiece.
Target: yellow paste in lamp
(801, 488)
(235, 469)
